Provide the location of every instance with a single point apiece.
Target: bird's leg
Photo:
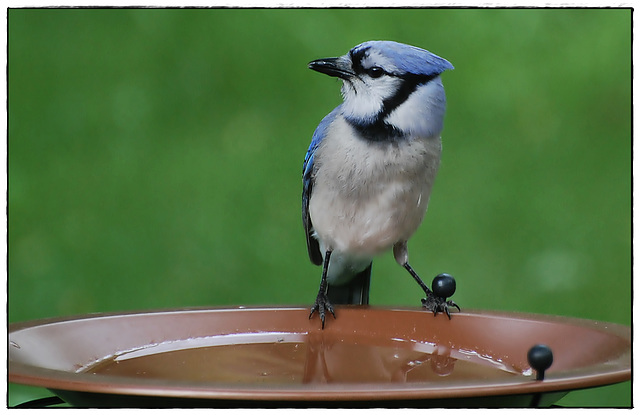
(444, 285)
(433, 302)
(322, 302)
(416, 277)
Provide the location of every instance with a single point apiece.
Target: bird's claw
(321, 305)
(435, 303)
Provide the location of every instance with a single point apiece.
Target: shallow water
(295, 359)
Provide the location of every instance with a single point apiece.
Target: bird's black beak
(338, 67)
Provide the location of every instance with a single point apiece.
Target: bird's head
(390, 84)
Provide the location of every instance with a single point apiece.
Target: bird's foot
(443, 286)
(435, 304)
(322, 305)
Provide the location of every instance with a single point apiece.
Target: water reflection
(332, 360)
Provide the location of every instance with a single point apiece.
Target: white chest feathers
(368, 196)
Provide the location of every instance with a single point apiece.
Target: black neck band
(379, 129)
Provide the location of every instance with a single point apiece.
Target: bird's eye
(375, 72)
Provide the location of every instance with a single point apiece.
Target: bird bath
(277, 357)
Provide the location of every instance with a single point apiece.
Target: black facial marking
(409, 84)
(356, 59)
(379, 130)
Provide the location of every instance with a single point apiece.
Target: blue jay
(369, 169)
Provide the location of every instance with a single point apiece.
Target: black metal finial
(443, 285)
(540, 358)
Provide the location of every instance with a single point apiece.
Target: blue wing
(308, 171)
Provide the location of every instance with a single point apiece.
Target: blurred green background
(154, 160)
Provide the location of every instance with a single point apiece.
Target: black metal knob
(443, 285)
(540, 358)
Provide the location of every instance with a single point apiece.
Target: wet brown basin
(275, 356)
